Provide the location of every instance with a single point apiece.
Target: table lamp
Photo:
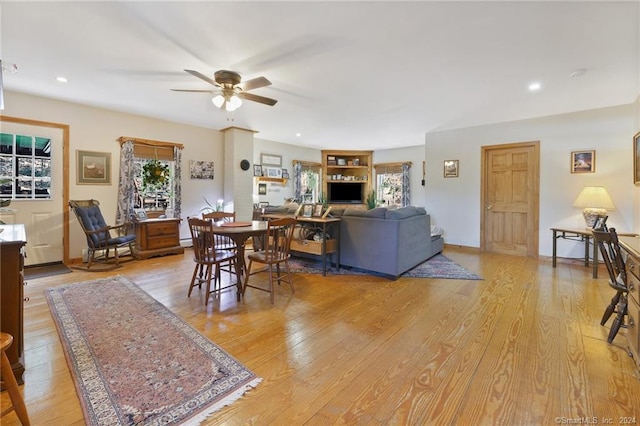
(596, 201)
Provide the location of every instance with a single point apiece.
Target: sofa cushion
(404, 212)
(378, 212)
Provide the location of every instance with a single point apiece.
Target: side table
(584, 235)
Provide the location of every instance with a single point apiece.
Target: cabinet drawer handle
(26, 299)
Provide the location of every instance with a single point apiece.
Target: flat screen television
(345, 192)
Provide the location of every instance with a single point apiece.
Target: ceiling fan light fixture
(235, 102)
(218, 101)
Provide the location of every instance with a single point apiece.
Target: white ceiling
(347, 75)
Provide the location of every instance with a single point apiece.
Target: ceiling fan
(230, 90)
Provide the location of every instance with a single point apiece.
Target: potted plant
(155, 174)
(371, 199)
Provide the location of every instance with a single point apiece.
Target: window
(153, 195)
(25, 167)
(389, 184)
(309, 184)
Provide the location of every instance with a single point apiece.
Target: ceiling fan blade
(257, 98)
(254, 83)
(202, 76)
(190, 90)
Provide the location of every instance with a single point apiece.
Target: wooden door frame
(533, 249)
(65, 173)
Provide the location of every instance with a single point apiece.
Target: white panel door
(43, 219)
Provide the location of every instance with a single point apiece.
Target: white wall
(454, 203)
(98, 130)
(636, 190)
(415, 154)
(276, 193)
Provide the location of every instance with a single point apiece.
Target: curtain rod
(392, 164)
(123, 139)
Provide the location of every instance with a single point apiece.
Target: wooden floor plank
(523, 346)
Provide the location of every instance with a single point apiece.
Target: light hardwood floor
(522, 347)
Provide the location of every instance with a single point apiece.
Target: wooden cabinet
(631, 251)
(157, 237)
(347, 176)
(12, 242)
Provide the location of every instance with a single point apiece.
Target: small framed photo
(636, 159)
(342, 162)
(317, 210)
(271, 160)
(257, 170)
(307, 210)
(451, 168)
(285, 174)
(140, 214)
(273, 172)
(583, 161)
(262, 189)
(93, 168)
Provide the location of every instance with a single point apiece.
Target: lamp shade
(595, 201)
(594, 197)
(218, 100)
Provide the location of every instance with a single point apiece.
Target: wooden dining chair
(10, 383)
(275, 254)
(607, 241)
(208, 259)
(222, 242)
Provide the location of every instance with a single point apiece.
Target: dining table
(239, 233)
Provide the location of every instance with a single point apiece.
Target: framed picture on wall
(262, 189)
(271, 160)
(257, 170)
(451, 168)
(583, 161)
(93, 168)
(636, 158)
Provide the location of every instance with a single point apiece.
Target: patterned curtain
(297, 180)
(126, 186)
(177, 181)
(406, 187)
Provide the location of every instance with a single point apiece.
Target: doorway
(45, 220)
(510, 191)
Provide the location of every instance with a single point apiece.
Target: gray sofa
(387, 241)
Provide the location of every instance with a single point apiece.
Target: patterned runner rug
(439, 266)
(135, 362)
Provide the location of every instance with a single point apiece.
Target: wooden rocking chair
(99, 236)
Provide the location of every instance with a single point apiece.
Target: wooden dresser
(12, 241)
(157, 237)
(631, 251)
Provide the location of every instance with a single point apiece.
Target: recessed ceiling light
(61, 79)
(298, 134)
(535, 86)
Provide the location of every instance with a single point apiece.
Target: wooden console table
(584, 235)
(157, 237)
(12, 241)
(631, 250)
(317, 248)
